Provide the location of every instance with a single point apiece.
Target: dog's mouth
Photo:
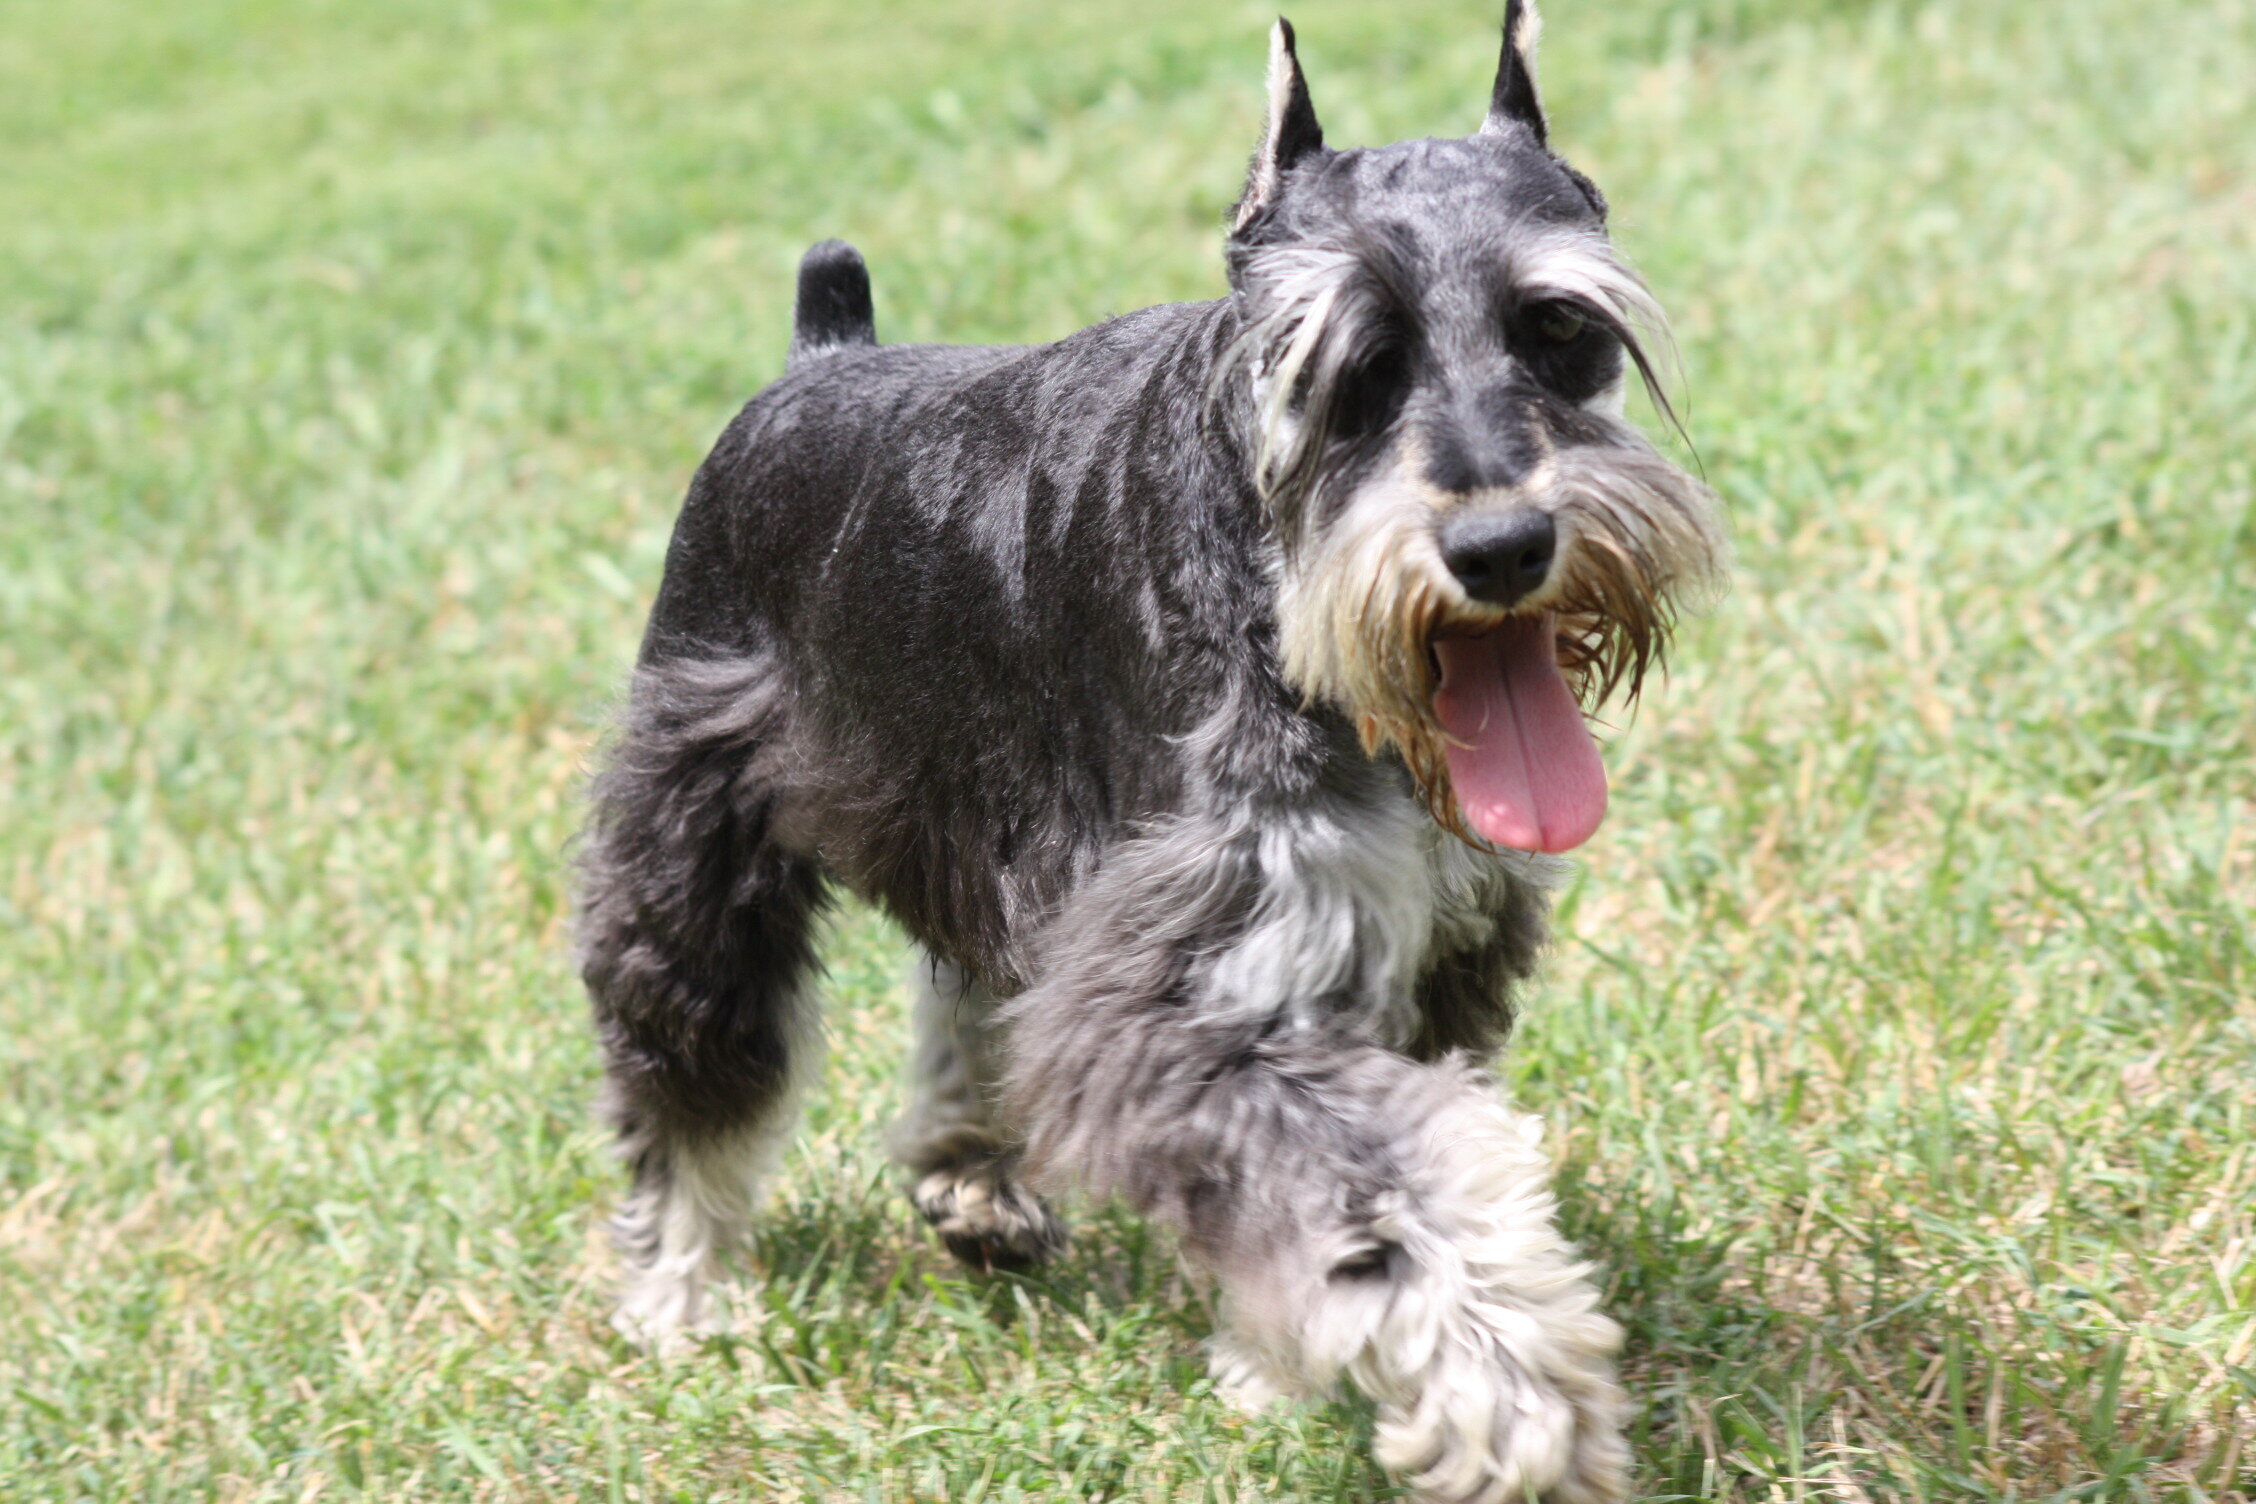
(1522, 763)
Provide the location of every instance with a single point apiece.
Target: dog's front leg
(1364, 1215)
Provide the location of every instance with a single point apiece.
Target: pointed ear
(1512, 101)
(1292, 134)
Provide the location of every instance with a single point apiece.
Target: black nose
(1499, 557)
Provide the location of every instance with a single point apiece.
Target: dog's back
(1000, 584)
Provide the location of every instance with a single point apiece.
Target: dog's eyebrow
(1384, 257)
(1582, 268)
(1583, 264)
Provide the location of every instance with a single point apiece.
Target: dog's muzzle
(1523, 766)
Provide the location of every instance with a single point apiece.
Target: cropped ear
(1292, 134)
(1512, 101)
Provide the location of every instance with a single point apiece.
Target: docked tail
(833, 310)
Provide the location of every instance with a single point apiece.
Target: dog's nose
(1500, 557)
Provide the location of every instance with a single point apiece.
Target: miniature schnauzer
(1204, 693)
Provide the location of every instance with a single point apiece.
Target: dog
(1205, 694)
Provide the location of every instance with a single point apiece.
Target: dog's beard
(1370, 618)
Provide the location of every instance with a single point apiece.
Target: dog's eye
(1558, 322)
(1565, 346)
(1369, 394)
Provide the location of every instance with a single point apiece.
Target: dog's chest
(1355, 904)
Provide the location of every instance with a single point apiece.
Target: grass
(1900, 1048)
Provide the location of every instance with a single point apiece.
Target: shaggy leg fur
(694, 944)
(964, 1165)
(1366, 1216)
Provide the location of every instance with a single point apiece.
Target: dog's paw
(1483, 1428)
(987, 1219)
(669, 1312)
(1241, 1380)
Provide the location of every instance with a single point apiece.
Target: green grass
(1900, 1046)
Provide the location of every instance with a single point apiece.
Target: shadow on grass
(1736, 1391)
(851, 1293)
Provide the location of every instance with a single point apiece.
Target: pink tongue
(1526, 772)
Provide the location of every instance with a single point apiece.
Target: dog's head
(1436, 337)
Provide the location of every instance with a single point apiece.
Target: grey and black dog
(1204, 692)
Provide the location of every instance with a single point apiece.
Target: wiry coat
(1018, 606)
(1002, 640)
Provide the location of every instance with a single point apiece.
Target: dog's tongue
(1525, 769)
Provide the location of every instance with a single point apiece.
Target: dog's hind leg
(962, 1163)
(694, 942)
(1198, 1041)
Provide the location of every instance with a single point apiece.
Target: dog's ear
(1292, 134)
(1512, 101)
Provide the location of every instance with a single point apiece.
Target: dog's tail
(833, 311)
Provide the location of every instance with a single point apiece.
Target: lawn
(1899, 1048)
